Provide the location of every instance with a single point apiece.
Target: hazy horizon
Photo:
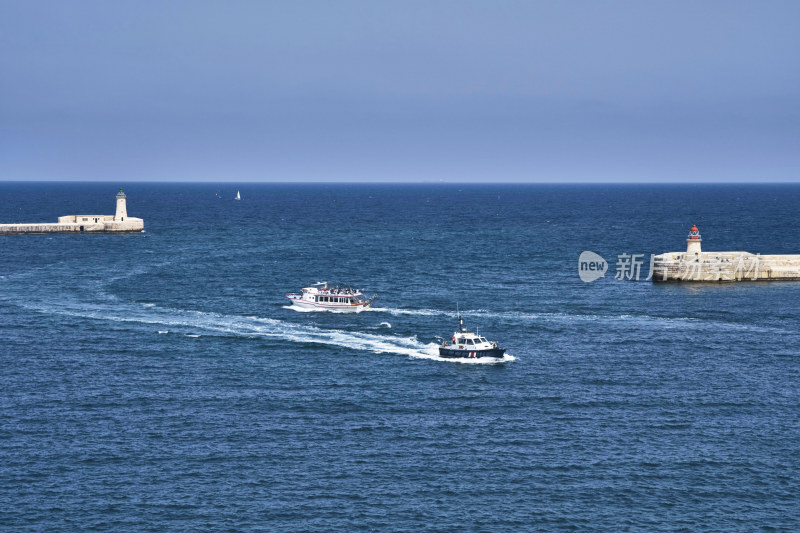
(235, 183)
(419, 92)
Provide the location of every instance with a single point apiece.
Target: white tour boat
(320, 297)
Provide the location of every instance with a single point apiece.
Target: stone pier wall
(120, 223)
(19, 229)
(725, 267)
(131, 225)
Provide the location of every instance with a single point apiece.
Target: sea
(162, 382)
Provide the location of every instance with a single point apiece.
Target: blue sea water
(158, 381)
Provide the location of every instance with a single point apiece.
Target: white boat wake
(560, 318)
(84, 304)
(251, 327)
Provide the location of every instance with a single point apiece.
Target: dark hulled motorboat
(469, 345)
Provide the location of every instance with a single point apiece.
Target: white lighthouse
(692, 241)
(122, 210)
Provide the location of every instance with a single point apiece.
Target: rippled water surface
(159, 381)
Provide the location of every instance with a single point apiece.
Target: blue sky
(530, 91)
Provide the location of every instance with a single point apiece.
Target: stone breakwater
(120, 222)
(134, 226)
(725, 266)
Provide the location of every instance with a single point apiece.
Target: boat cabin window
(469, 341)
(482, 340)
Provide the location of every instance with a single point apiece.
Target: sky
(418, 91)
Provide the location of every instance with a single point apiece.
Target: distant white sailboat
(238, 196)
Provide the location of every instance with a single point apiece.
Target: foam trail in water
(251, 326)
(413, 312)
(168, 319)
(540, 318)
(612, 320)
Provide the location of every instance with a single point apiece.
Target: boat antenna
(460, 322)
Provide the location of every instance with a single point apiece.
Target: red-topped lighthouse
(693, 241)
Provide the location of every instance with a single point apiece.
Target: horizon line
(426, 182)
(118, 183)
